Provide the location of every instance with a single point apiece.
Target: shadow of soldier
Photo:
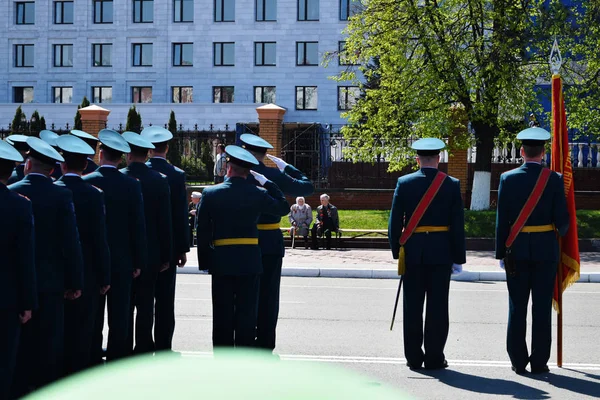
(576, 385)
(483, 385)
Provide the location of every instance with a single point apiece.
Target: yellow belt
(234, 241)
(538, 228)
(427, 229)
(268, 227)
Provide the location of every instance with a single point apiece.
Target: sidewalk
(378, 264)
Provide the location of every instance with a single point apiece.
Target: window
(63, 55)
(264, 94)
(224, 54)
(266, 10)
(102, 55)
(141, 94)
(348, 8)
(143, 11)
(182, 94)
(63, 12)
(183, 54)
(347, 96)
(306, 97)
(224, 10)
(222, 94)
(103, 11)
(264, 53)
(23, 55)
(308, 10)
(342, 58)
(23, 94)
(183, 10)
(102, 94)
(142, 55)
(307, 53)
(63, 94)
(25, 13)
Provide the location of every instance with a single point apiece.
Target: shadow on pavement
(572, 384)
(483, 385)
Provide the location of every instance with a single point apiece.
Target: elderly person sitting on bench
(300, 219)
(327, 222)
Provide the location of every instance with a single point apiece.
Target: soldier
(126, 232)
(89, 210)
(50, 138)
(531, 209)
(228, 246)
(19, 142)
(426, 234)
(18, 294)
(292, 183)
(164, 308)
(157, 211)
(59, 268)
(93, 143)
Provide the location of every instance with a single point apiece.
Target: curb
(357, 273)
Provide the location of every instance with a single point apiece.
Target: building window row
(183, 11)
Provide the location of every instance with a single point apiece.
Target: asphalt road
(346, 322)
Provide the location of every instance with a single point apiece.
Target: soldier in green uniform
(292, 182)
(18, 294)
(19, 142)
(535, 251)
(157, 212)
(228, 246)
(93, 143)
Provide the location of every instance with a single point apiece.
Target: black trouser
(164, 308)
(142, 299)
(434, 281)
(268, 301)
(80, 318)
(317, 231)
(537, 278)
(234, 300)
(41, 346)
(10, 328)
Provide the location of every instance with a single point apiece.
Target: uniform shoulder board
(23, 196)
(162, 175)
(97, 188)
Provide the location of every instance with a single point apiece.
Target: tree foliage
(486, 58)
(134, 120)
(19, 122)
(206, 156)
(174, 154)
(77, 122)
(35, 123)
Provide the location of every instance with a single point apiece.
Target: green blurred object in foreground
(242, 375)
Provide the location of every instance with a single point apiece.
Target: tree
(206, 156)
(485, 57)
(19, 122)
(77, 123)
(42, 124)
(174, 154)
(35, 123)
(134, 121)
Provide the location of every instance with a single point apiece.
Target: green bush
(193, 167)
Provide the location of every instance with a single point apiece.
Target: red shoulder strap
(529, 206)
(422, 207)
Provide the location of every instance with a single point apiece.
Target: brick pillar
(458, 163)
(93, 120)
(270, 119)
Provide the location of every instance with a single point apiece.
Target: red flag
(561, 163)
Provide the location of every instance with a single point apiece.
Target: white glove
(456, 269)
(260, 178)
(278, 161)
(502, 264)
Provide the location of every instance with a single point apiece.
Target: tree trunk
(480, 192)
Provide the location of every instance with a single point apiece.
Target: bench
(336, 236)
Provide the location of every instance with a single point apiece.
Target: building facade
(171, 53)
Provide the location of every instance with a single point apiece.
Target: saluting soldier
(527, 245)
(426, 234)
(18, 294)
(164, 308)
(59, 268)
(228, 246)
(80, 315)
(292, 182)
(126, 232)
(157, 211)
(91, 141)
(50, 138)
(19, 142)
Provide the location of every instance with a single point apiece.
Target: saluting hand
(25, 316)
(136, 273)
(260, 178)
(182, 260)
(278, 161)
(104, 289)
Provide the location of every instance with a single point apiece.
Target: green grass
(481, 224)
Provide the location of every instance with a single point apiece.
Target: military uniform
(93, 143)
(536, 255)
(50, 138)
(91, 222)
(164, 308)
(20, 143)
(429, 258)
(157, 211)
(59, 266)
(292, 183)
(126, 232)
(228, 248)
(17, 270)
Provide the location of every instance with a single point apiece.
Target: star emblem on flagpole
(555, 58)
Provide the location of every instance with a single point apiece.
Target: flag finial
(555, 58)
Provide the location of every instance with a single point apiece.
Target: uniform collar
(72, 174)
(137, 166)
(32, 177)
(108, 166)
(158, 158)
